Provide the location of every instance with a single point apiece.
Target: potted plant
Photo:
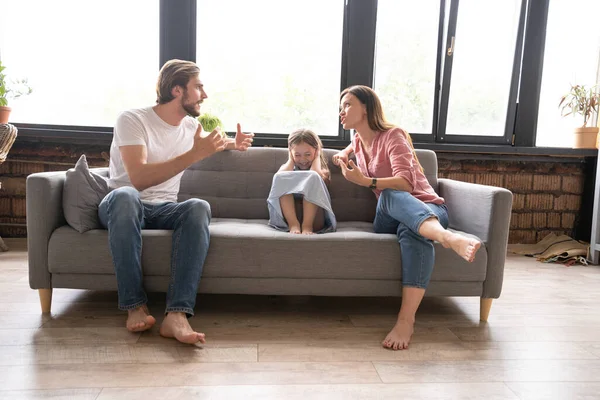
(17, 89)
(210, 122)
(583, 101)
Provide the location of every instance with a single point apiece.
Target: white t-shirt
(163, 142)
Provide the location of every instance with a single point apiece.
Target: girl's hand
(316, 165)
(353, 174)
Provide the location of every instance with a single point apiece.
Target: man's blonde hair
(174, 73)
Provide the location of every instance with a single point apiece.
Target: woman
(407, 205)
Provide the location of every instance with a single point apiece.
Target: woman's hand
(340, 157)
(353, 174)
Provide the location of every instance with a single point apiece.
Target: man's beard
(190, 108)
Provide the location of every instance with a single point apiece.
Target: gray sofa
(248, 257)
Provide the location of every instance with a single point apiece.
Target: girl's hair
(375, 117)
(310, 138)
(174, 73)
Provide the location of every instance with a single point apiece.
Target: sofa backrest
(237, 184)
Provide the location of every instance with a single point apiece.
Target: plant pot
(4, 114)
(585, 138)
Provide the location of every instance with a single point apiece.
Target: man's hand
(243, 140)
(340, 157)
(208, 145)
(353, 174)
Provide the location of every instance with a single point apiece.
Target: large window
(571, 57)
(476, 72)
(272, 65)
(473, 59)
(85, 61)
(483, 55)
(405, 61)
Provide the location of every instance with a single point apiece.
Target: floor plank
(556, 390)
(471, 391)
(490, 371)
(189, 374)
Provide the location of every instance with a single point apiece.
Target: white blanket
(305, 183)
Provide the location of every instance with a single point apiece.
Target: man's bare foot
(399, 336)
(176, 325)
(295, 229)
(463, 246)
(139, 319)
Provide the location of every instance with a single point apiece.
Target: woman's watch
(373, 184)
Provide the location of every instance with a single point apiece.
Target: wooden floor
(542, 341)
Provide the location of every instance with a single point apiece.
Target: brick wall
(27, 158)
(547, 193)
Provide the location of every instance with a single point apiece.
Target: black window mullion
(438, 74)
(440, 134)
(177, 30)
(515, 81)
(358, 51)
(531, 73)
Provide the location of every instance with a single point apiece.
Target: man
(151, 148)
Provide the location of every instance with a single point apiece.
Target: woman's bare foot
(400, 335)
(295, 229)
(463, 246)
(139, 319)
(176, 325)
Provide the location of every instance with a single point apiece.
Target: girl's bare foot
(139, 319)
(295, 229)
(462, 245)
(176, 325)
(400, 335)
(308, 230)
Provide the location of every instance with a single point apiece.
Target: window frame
(506, 138)
(177, 39)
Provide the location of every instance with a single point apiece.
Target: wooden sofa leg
(45, 299)
(485, 305)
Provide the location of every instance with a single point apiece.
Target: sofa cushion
(82, 193)
(251, 249)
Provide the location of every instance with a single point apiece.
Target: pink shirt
(392, 156)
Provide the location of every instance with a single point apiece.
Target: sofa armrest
(44, 215)
(483, 211)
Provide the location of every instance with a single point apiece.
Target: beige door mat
(553, 248)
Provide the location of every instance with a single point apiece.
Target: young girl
(299, 199)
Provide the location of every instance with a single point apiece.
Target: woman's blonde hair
(174, 73)
(375, 117)
(310, 138)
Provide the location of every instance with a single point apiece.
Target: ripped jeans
(401, 213)
(125, 215)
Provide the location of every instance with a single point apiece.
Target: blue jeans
(401, 213)
(125, 215)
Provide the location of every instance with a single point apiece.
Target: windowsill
(103, 137)
(500, 149)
